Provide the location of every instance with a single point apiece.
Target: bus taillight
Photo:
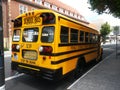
(15, 47)
(45, 49)
(48, 18)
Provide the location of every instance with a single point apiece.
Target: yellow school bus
(51, 45)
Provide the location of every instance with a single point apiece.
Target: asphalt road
(26, 82)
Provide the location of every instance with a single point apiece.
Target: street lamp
(2, 75)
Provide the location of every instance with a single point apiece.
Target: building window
(23, 9)
(79, 17)
(61, 10)
(46, 4)
(75, 15)
(38, 2)
(54, 7)
(71, 14)
(66, 12)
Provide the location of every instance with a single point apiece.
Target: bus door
(37, 45)
(29, 46)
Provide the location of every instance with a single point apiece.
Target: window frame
(73, 34)
(82, 36)
(23, 39)
(87, 37)
(64, 35)
(16, 35)
(48, 35)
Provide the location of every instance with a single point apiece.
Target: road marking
(13, 77)
(108, 49)
(2, 87)
(87, 72)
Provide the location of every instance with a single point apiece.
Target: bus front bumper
(37, 71)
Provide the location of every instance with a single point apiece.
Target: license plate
(32, 55)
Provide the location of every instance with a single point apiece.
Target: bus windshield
(30, 35)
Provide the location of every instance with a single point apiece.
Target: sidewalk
(7, 53)
(104, 76)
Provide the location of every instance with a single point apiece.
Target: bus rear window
(30, 35)
(47, 34)
(16, 35)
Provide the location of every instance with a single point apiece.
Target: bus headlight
(41, 49)
(18, 47)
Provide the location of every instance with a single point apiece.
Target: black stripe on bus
(67, 59)
(72, 44)
(67, 52)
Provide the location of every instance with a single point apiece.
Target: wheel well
(81, 60)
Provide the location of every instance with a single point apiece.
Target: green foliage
(6, 49)
(106, 6)
(105, 30)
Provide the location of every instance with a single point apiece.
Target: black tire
(100, 59)
(79, 69)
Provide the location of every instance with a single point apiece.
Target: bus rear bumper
(49, 74)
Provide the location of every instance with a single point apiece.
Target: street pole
(116, 45)
(2, 73)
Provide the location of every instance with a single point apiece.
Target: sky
(91, 16)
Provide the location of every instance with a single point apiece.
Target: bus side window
(86, 37)
(74, 36)
(64, 35)
(91, 38)
(97, 38)
(94, 38)
(81, 36)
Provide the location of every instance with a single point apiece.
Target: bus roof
(81, 22)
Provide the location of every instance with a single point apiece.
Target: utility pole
(2, 73)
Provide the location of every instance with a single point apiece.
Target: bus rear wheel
(79, 69)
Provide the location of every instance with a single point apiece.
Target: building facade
(13, 8)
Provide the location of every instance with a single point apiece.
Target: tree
(105, 30)
(106, 6)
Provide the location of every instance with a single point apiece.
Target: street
(16, 81)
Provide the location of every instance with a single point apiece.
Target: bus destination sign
(32, 20)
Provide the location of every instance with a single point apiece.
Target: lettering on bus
(27, 61)
(31, 20)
